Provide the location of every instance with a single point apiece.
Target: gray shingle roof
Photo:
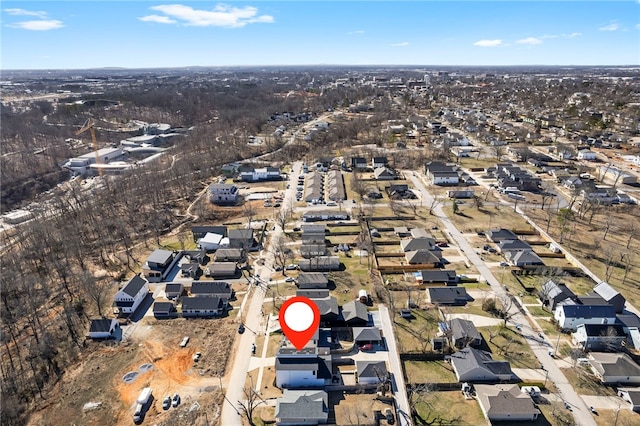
(134, 285)
(371, 368)
(500, 400)
(355, 310)
(305, 406)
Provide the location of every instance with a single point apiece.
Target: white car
(289, 279)
(291, 267)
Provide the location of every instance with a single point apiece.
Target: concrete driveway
(603, 402)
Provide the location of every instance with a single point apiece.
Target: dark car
(241, 329)
(166, 403)
(175, 401)
(389, 416)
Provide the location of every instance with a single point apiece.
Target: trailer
(141, 404)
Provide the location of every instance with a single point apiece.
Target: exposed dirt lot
(98, 377)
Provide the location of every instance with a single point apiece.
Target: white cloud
(611, 27)
(158, 19)
(222, 15)
(529, 40)
(404, 43)
(22, 12)
(572, 35)
(488, 43)
(638, 25)
(43, 25)
(355, 33)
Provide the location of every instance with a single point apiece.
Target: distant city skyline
(162, 34)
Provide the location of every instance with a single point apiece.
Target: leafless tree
(95, 289)
(281, 252)
(506, 308)
(249, 213)
(250, 403)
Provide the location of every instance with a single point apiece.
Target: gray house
(447, 295)
(552, 293)
(202, 307)
(506, 403)
(464, 333)
(308, 280)
(302, 407)
(611, 295)
(173, 290)
(355, 313)
(371, 372)
(473, 365)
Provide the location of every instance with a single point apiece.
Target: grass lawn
(538, 311)
(471, 219)
(415, 334)
(585, 383)
(429, 372)
(449, 408)
(508, 344)
(623, 417)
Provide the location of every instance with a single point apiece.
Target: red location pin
(299, 319)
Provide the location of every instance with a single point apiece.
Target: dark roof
(371, 369)
(296, 363)
(555, 291)
(588, 311)
(319, 293)
(327, 306)
(525, 257)
(463, 329)
(420, 243)
(366, 334)
(501, 234)
(305, 406)
(355, 310)
(201, 303)
(447, 294)
(468, 359)
(100, 326)
(505, 400)
(162, 307)
(603, 330)
(628, 320)
(211, 287)
(438, 275)
(614, 364)
(240, 234)
(418, 257)
(513, 245)
(310, 278)
(134, 285)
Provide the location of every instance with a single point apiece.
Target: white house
(569, 317)
(212, 241)
(586, 154)
(102, 328)
(131, 295)
(301, 371)
(264, 173)
(222, 193)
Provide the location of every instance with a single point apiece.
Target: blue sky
(174, 33)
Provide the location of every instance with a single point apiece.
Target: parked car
(442, 244)
(366, 347)
(166, 403)
(175, 401)
(277, 268)
(504, 264)
(241, 329)
(291, 267)
(289, 280)
(196, 356)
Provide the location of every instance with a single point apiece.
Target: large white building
(82, 165)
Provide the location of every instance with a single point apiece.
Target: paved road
(539, 346)
(399, 389)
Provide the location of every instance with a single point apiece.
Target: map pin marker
(299, 319)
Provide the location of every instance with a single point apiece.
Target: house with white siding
(131, 295)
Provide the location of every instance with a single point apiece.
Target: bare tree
(281, 252)
(506, 308)
(95, 289)
(249, 212)
(250, 403)
(283, 216)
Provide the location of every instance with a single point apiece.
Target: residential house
(379, 162)
(464, 333)
(316, 216)
(229, 255)
(241, 239)
(302, 407)
(423, 257)
(599, 337)
(309, 280)
(202, 307)
(631, 326)
(309, 251)
(399, 192)
(220, 270)
(441, 173)
(523, 258)
(401, 231)
(371, 372)
(190, 269)
(423, 243)
(552, 294)
(313, 234)
(223, 193)
(103, 328)
(355, 313)
(447, 295)
(587, 154)
(383, 173)
(632, 396)
(569, 317)
(173, 290)
(358, 163)
(612, 368)
(157, 264)
(513, 245)
(212, 242)
(474, 365)
(439, 276)
(131, 295)
(201, 231)
(610, 295)
(366, 335)
(163, 309)
(302, 371)
(221, 289)
(459, 194)
(506, 403)
(497, 235)
(320, 263)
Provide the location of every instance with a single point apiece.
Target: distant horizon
(140, 34)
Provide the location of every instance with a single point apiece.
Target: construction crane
(88, 125)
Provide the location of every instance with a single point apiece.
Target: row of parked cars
(169, 402)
